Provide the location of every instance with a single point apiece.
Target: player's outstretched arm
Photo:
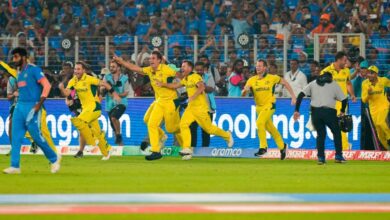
(128, 65)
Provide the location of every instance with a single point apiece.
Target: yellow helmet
(374, 69)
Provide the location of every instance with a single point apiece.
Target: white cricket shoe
(12, 170)
(230, 142)
(55, 167)
(107, 157)
(186, 154)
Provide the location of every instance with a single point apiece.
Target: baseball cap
(373, 68)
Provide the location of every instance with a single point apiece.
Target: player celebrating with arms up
(262, 86)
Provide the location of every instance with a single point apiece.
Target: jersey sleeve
(338, 92)
(307, 89)
(93, 80)
(249, 82)
(170, 72)
(37, 74)
(70, 84)
(386, 82)
(276, 79)
(146, 70)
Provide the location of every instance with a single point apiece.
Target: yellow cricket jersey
(376, 99)
(263, 89)
(86, 89)
(341, 77)
(163, 74)
(190, 82)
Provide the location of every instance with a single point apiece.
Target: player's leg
(34, 128)
(154, 122)
(204, 121)
(186, 120)
(263, 117)
(81, 122)
(115, 115)
(172, 120)
(382, 129)
(18, 132)
(45, 131)
(270, 127)
(344, 136)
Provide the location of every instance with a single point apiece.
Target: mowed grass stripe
(171, 174)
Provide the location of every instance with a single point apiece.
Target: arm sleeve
(307, 90)
(299, 101)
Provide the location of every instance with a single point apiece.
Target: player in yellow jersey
(197, 109)
(164, 107)
(373, 93)
(12, 95)
(262, 86)
(341, 75)
(87, 121)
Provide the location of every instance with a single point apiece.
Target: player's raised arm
(128, 65)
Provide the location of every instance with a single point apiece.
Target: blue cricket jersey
(28, 83)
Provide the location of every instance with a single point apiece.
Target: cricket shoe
(186, 154)
(107, 157)
(283, 152)
(230, 142)
(339, 159)
(12, 170)
(261, 152)
(153, 156)
(321, 161)
(55, 167)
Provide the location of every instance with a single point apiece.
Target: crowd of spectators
(274, 22)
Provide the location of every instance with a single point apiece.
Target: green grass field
(134, 174)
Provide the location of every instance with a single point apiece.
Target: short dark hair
(199, 63)
(315, 63)
(296, 60)
(158, 54)
(19, 50)
(189, 63)
(339, 55)
(203, 56)
(83, 64)
(236, 62)
(263, 61)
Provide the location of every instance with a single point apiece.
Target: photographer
(324, 92)
(115, 110)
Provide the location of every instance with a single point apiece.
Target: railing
(97, 51)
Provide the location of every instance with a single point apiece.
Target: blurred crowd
(274, 22)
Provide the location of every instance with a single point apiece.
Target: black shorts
(117, 111)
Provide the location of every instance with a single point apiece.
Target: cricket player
(33, 90)
(12, 95)
(341, 75)
(373, 93)
(262, 86)
(197, 109)
(164, 106)
(87, 121)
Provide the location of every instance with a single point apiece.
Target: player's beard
(19, 63)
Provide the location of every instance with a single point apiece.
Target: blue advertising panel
(235, 114)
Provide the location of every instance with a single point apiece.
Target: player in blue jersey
(33, 90)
